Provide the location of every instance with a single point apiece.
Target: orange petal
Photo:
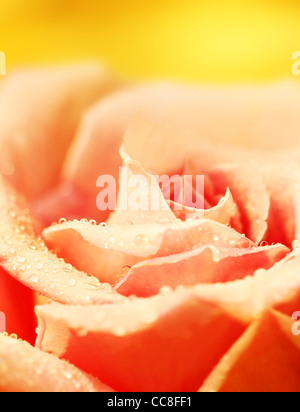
(39, 113)
(219, 115)
(17, 303)
(265, 359)
(250, 192)
(225, 212)
(150, 207)
(25, 257)
(207, 264)
(63, 201)
(104, 250)
(283, 179)
(165, 343)
(143, 336)
(26, 369)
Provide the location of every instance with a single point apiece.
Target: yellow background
(215, 41)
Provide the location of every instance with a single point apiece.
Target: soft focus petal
(39, 113)
(265, 359)
(17, 303)
(165, 343)
(283, 179)
(26, 369)
(219, 115)
(142, 339)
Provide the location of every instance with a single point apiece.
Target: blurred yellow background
(215, 40)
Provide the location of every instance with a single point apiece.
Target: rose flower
(178, 297)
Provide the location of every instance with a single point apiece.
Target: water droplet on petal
(34, 279)
(72, 282)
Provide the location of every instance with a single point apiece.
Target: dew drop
(141, 239)
(165, 289)
(34, 279)
(92, 283)
(82, 332)
(68, 375)
(72, 282)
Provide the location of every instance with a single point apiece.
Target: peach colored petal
(165, 343)
(143, 333)
(25, 257)
(39, 113)
(283, 178)
(17, 303)
(26, 369)
(249, 190)
(225, 212)
(265, 359)
(277, 287)
(221, 115)
(104, 250)
(65, 200)
(152, 208)
(243, 116)
(207, 264)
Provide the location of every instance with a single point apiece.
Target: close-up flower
(149, 199)
(155, 294)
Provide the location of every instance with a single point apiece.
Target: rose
(182, 330)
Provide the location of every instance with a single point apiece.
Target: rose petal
(25, 257)
(225, 212)
(142, 335)
(64, 201)
(283, 179)
(207, 264)
(26, 369)
(148, 206)
(164, 343)
(277, 287)
(250, 192)
(258, 361)
(39, 113)
(17, 303)
(104, 250)
(219, 115)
